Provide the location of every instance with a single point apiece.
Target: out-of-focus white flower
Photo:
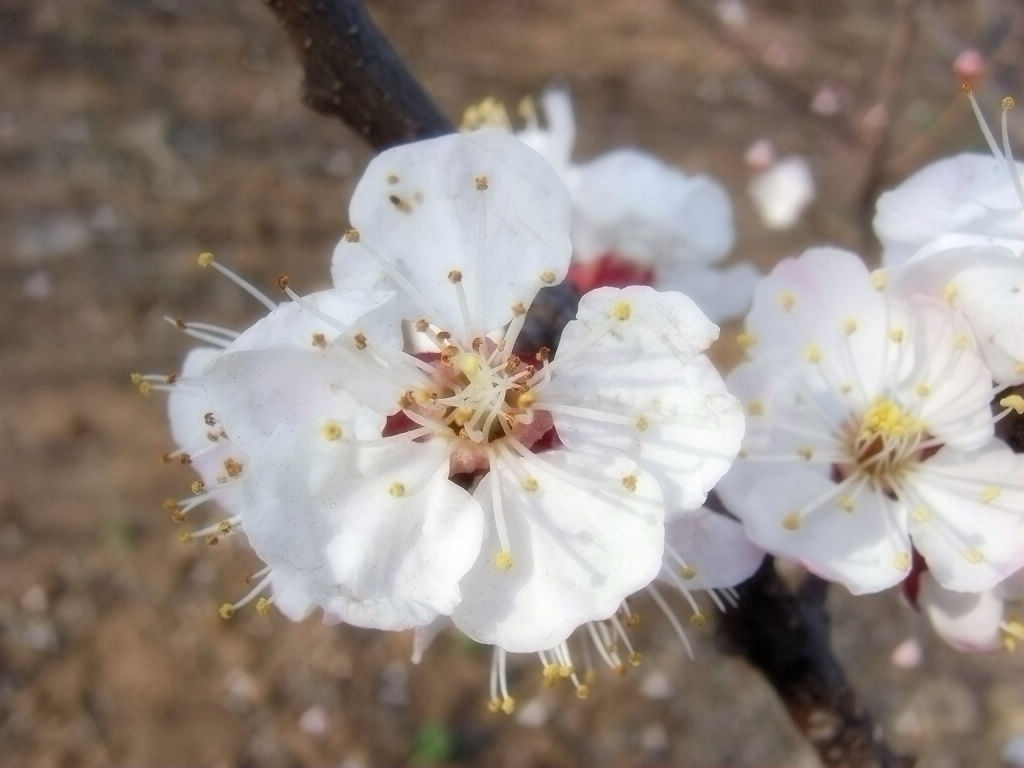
(521, 497)
(979, 621)
(870, 432)
(783, 191)
(955, 230)
(637, 220)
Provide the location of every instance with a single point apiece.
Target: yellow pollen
(352, 235)
(632, 620)
(1014, 402)
(636, 659)
(184, 537)
(901, 561)
(547, 277)
(494, 704)
(225, 527)
(462, 415)
(921, 514)
(396, 489)
(812, 353)
(621, 310)
(698, 619)
(791, 522)
(526, 398)
(1013, 633)
(503, 560)
(850, 326)
(886, 418)
(787, 300)
(205, 259)
(489, 113)
(897, 335)
(519, 308)
(145, 388)
(226, 611)
(262, 606)
(688, 572)
(629, 483)
(989, 493)
(331, 430)
(949, 292)
(845, 503)
(746, 340)
(233, 467)
(198, 486)
(508, 705)
(805, 453)
(582, 691)
(530, 484)
(136, 378)
(1008, 103)
(641, 423)
(469, 363)
(923, 390)
(755, 408)
(879, 279)
(960, 341)
(974, 556)
(481, 183)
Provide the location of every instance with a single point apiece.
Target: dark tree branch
(353, 73)
(786, 636)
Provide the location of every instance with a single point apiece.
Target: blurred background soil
(135, 133)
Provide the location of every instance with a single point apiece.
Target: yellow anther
(845, 503)
(974, 556)
(923, 390)
(949, 292)
(698, 619)
(184, 537)
(1014, 402)
(233, 467)
(319, 340)
(489, 113)
(396, 489)
(461, 415)
(145, 387)
(621, 310)
(989, 493)
(197, 487)
(632, 619)
(527, 109)
(530, 484)
(879, 279)
(629, 483)
(226, 611)
(791, 522)
(332, 431)
(812, 353)
(547, 277)
(503, 560)
(886, 418)
(960, 341)
(921, 514)
(901, 561)
(1008, 103)
(850, 326)
(688, 572)
(787, 300)
(494, 705)
(746, 340)
(582, 691)
(550, 672)
(352, 235)
(136, 378)
(897, 335)
(805, 453)
(263, 606)
(755, 408)
(481, 183)
(225, 527)
(205, 259)
(519, 308)
(508, 705)
(1012, 632)
(636, 659)
(641, 424)
(526, 398)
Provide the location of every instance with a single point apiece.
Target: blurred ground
(135, 133)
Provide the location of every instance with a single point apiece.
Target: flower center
(884, 444)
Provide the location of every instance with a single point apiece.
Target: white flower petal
(866, 549)
(968, 621)
(577, 551)
(553, 142)
(782, 192)
(721, 293)
(972, 532)
(423, 636)
(290, 594)
(716, 551)
(380, 534)
(481, 204)
(630, 203)
(254, 392)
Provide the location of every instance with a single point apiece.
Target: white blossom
(980, 621)
(870, 432)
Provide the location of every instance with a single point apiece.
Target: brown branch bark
(351, 72)
(785, 634)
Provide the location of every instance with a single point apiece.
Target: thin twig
(786, 636)
(353, 73)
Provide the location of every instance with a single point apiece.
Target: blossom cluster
(399, 457)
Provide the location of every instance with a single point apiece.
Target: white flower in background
(636, 220)
(870, 432)
(522, 497)
(782, 192)
(980, 621)
(955, 230)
